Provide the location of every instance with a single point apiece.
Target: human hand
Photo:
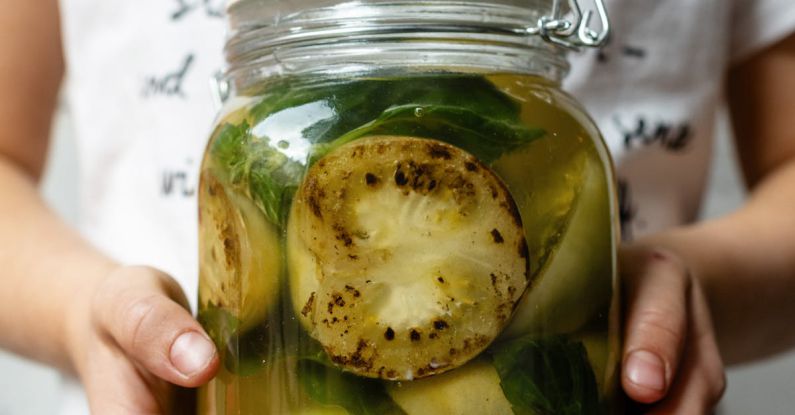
(671, 361)
(132, 339)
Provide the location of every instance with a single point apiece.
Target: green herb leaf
(241, 353)
(253, 164)
(222, 327)
(359, 102)
(328, 385)
(546, 377)
(488, 138)
(219, 323)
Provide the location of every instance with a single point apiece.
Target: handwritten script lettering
(177, 183)
(171, 83)
(212, 8)
(671, 136)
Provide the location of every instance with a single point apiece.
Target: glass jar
(401, 212)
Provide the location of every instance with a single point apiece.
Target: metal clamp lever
(574, 33)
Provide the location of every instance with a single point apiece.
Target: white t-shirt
(138, 90)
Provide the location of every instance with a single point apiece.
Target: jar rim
(380, 35)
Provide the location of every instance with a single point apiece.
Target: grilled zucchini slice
(240, 260)
(473, 389)
(576, 284)
(407, 256)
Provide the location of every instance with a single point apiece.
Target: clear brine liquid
(557, 351)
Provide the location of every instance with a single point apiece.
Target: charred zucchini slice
(473, 389)
(584, 260)
(407, 256)
(240, 259)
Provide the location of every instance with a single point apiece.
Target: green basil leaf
(328, 385)
(547, 377)
(356, 103)
(253, 164)
(219, 324)
(488, 138)
(241, 353)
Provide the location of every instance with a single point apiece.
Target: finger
(657, 287)
(701, 381)
(114, 385)
(157, 332)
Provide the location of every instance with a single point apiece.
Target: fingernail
(646, 370)
(191, 353)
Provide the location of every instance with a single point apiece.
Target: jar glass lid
(561, 22)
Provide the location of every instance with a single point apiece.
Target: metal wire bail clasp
(220, 89)
(577, 32)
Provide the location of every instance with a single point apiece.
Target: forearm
(47, 272)
(746, 264)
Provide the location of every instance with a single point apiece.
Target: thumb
(155, 331)
(657, 287)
